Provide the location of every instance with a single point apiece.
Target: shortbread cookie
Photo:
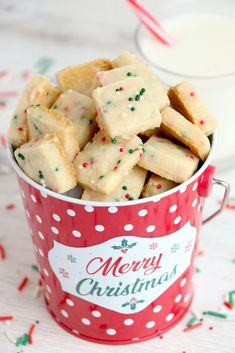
(152, 83)
(186, 101)
(126, 108)
(80, 78)
(151, 132)
(38, 90)
(44, 161)
(80, 109)
(183, 130)
(126, 58)
(168, 160)
(43, 121)
(129, 189)
(104, 162)
(156, 185)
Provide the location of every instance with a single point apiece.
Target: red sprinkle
(39, 282)
(31, 330)
(22, 284)
(121, 149)
(158, 186)
(10, 206)
(116, 167)
(103, 139)
(20, 129)
(127, 196)
(140, 155)
(2, 252)
(121, 88)
(85, 165)
(66, 109)
(228, 305)
(202, 122)
(211, 328)
(6, 318)
(192, 94)
(189, 328)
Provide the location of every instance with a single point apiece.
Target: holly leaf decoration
(133, 306)
(124, 243)
(115, 247)
(139, 301)
(131, 245)
(126, 304)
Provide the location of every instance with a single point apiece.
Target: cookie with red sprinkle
(105, 162)
(168, 160)
(156, 185)
(80, 109)
(44, 161)
(126, 108)
(129, 189)
(186, 101)
(38, 91)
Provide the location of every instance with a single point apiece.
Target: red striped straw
(152, 25)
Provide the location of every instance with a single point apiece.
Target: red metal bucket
(117, 273)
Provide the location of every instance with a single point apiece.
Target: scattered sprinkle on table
(35, 267)
(6, 318)
(2, 252)
(22, 284)
(216, 314)
(10, 206)
(192, 327)
(31, 330)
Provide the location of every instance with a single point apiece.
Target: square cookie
(44, 161)
(129, 189)
(105, 162)
(126, 108)
(157, 185)
(168, 160)
(185, 100)
(43, 121)
(38, 90)
(80, 109)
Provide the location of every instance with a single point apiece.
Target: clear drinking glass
(215, 78)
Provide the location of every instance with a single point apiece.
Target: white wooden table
(29, 30)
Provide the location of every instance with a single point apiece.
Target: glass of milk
(203, 53)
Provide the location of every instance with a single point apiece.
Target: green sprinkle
(230, 295)
(119, 161)
(90, 121)
(109, 102)
(56, 169)
(101, 177)
(15, 117)
(25, 339)
(47, 94)
(142, 91)
(130, 99)
(124, 187)
(21, 156)
(198, 270)
(19, 341)
(132, 109)
(130, 151)
(113, 140)
(55, 106)
(37, 105)
(35, 267)
(192, 321)
(130, 199)
(129, 74)
(40, 174)
(137, 97)
(214, 313)
(117, 90)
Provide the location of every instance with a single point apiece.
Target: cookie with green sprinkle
(156, 185)
(44, 161)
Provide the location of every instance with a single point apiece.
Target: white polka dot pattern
(150, 229)
(64, 313)
(177, 220)
(76, 233)
(96, 313)
(43, 193)
(38, 218)
(178, 298)
(71, 213)
(46, 272)
(183, 188)
(33, 198)
(27, 213)
(142, 213)
(69, 302)
(85, 321)
(56, 217)
(128, 322)
(157, 308)
(183, 282)
(128, 227)
(54, 230)
(41, 235)
(113, 209)
(99, 228)
(169, 317)
(89, 208)
(194, 188)
(111, 332)
(48, 288)
(194, 202)
(41, 252)
(22, 193)
(150, 324)
(186, 298)
(173, 208)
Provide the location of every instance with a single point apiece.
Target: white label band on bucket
(124, 274)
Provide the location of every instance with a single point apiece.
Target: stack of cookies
(112, 128)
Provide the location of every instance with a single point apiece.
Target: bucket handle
(226, 188)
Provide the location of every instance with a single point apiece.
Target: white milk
(204, 48)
